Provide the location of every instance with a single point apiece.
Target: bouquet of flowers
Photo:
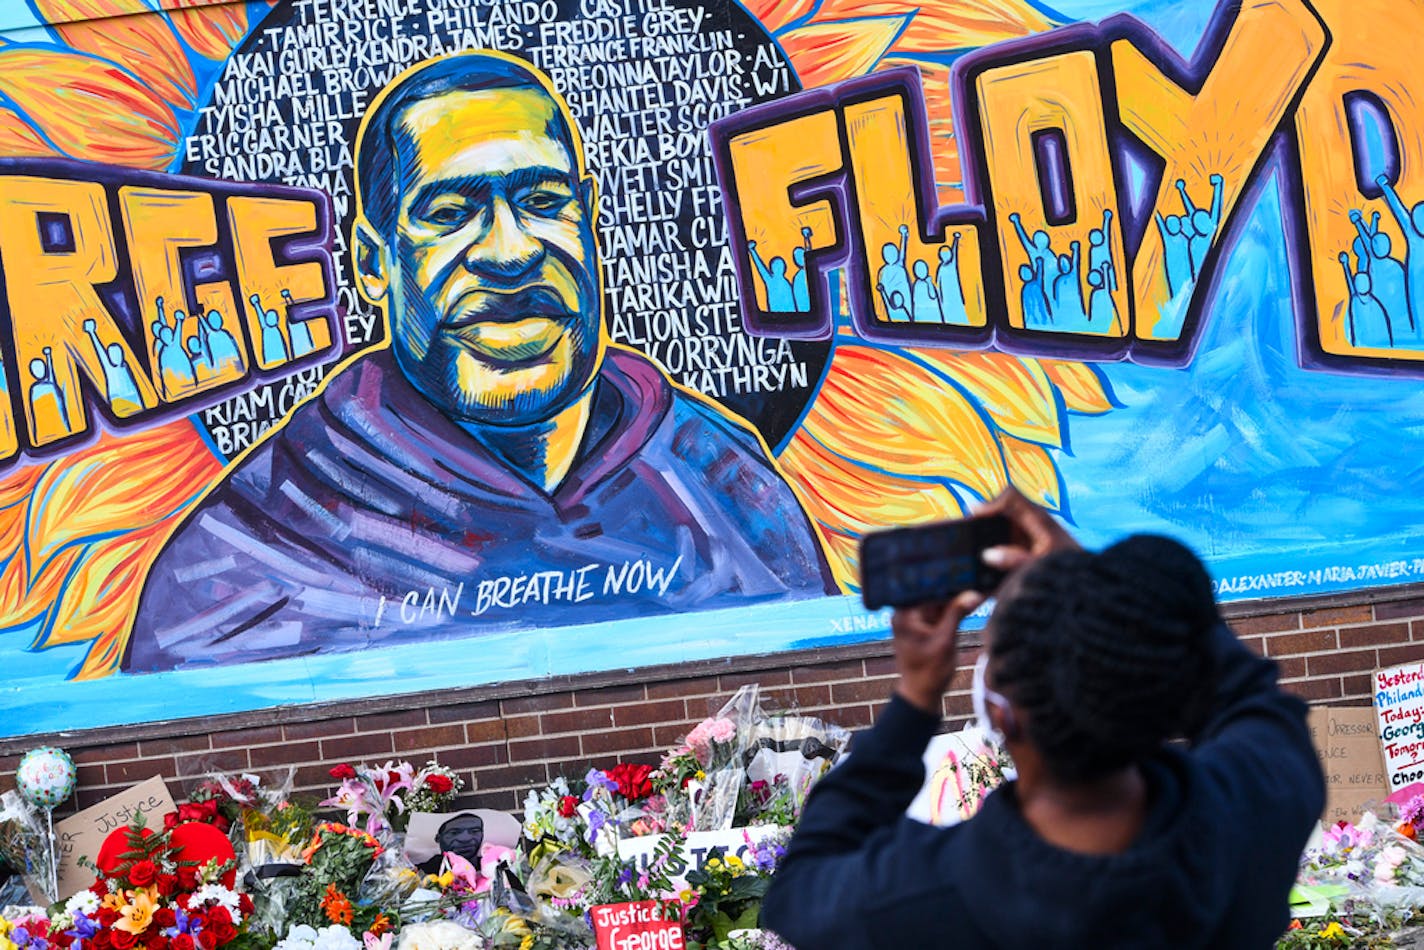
(170, 889)
(553, 822)
(28, 930)
(726, 896)
(25, 843)
(337, 860)
(434, 789)
(372, 793)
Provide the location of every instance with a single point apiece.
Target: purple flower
(625, 876)
(596, 820)
(84, 928)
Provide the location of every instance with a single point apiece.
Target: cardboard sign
(1399, 704)
(696, 848)
(85, 832)
(637, 925)
(1347, 742)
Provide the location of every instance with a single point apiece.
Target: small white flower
(335, 937)
(85, 902)
(218, 894)
(439, 935)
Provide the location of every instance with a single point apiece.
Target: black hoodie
(1211, 868)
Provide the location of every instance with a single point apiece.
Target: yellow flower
(714, 862)
(138, 915)
(7, 944)
(527, 943)
(1334, 930)
(734, 862)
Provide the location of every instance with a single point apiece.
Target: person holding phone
(1110, 836)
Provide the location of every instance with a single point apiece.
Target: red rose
(167, 884)
(99, 887)
(182, 942)
(343, 772)
(188, 878)
(244, 904)
(224, 932)
(107, 917)
(100, 941)
(122, 939)
(208, 939)
(568, 806)
(632, 780)
(62, 939)
(165, 917)
(439, 784)
(156, 941)
(219, 915)
(170, 821)
(143, 873)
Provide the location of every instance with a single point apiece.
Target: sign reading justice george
(637, 925)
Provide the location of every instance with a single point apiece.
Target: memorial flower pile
(166, 890)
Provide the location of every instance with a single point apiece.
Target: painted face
(494, 295)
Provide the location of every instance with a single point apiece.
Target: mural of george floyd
(480, 374)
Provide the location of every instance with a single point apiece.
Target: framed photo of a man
(479, 837)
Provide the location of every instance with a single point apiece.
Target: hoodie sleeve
(1256, 745)
(819, 896)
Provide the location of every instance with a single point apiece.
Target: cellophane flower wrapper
(26, 845)
(392, 880)
(790, 753)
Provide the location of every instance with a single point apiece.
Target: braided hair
(1108, 654)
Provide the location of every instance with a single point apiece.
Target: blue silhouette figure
(779, 297)
(1033, 298)
(800, 289)
(1102, 310)
(220, 347)
(1203, 222)
(1040, 249)
(951, 292)
(1412, 224)
(274, 346)
(1388, 281)
(300, 330)
(1100, 252)
(46, 395)
(1368, 322)
(201, 366)
(119, 385)
(1067, 295)
(1176, 253)
(175, 371)
(924, 302)
(893, 275)
(894, 302)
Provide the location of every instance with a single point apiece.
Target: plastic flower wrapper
(331, 937)
(26, 845)
(553, 823)
(792, 752)
(393, 878)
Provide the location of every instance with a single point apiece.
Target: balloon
(45, 777)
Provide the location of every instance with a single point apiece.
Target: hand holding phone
(931, 563)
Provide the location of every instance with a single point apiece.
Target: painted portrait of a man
(498, 464)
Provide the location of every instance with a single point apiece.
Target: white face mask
(982, 695)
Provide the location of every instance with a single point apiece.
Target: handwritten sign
(1399, 703)
(85, 832)
(637, 925)
(1347, 741)
(696, 849)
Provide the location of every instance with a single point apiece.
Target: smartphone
(903, 567)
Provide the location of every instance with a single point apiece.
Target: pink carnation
(708, 731)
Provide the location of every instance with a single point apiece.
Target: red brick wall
(508, 739)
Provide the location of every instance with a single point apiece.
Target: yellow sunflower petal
(143, 44)
(1032, 471)
(213, 29)
(123, 483)
(1082, 388)
(18, 140)
(1016, 392)
(941, 25)
(824, 53)
(876, 404)
(92, 109)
